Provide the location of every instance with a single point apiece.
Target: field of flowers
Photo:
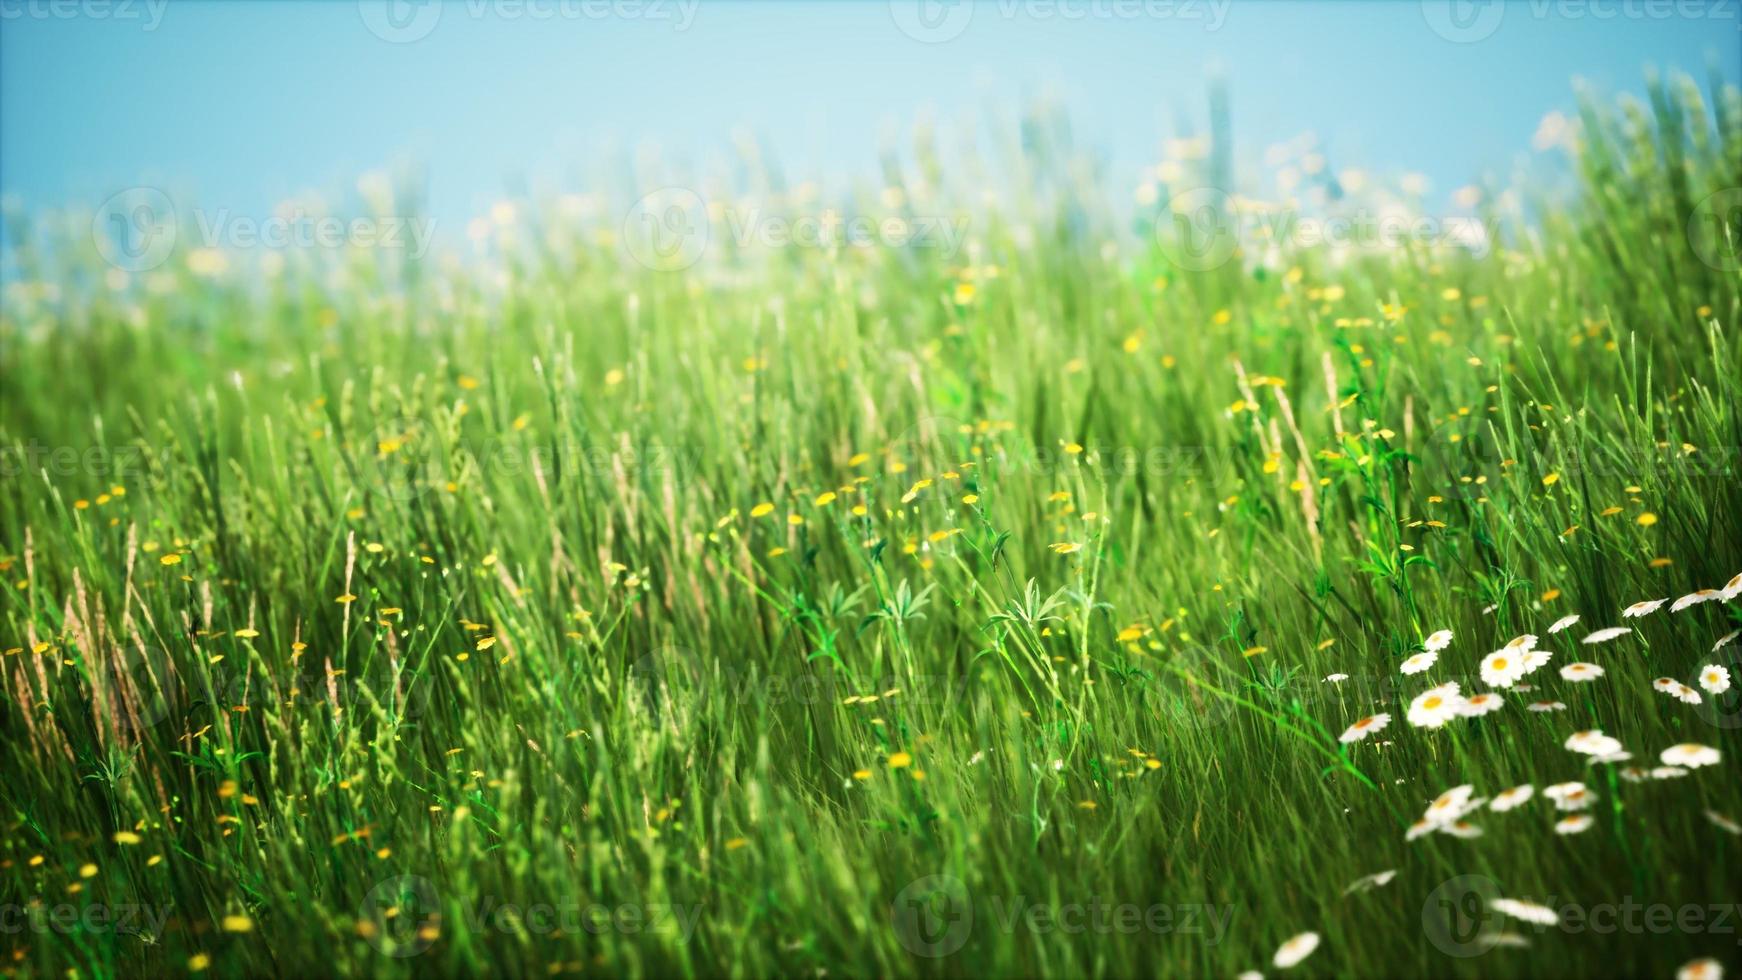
(1026, 582)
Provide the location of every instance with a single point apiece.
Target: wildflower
(1365, 727)
(1570, 796)
(1437, 641)
(1435, 706)
(1378, 879)
(1664, 685)
(1668, 772)
(1419, 663)
(1462, 829)
(1546, 706)
(1725, 640)
(1689, 755)
(1703, 969)
(1576, 824)
(1336, 678)
(1694, 599)
(1592, 742)
(1296, 949)
(1418, 829)
(1477, 705)
(1606, 634)
(1511, 799)
(1530, 912)
(1645, 608)
(1520, 643)
(1715, 679)
(1581, 671)
(900, 760)
(1502, 668)
(1563, 622)
(1732, 588)
(1724, 823)
(1686, 694)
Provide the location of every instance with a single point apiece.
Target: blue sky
(243, 104)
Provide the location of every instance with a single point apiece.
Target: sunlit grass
(557, 613)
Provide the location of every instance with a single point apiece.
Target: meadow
(1024, 608)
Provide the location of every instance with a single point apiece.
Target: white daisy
(1715, 679)
(1365, 727)
(1592, 742)
(1575, 824)
(1563, 622)
(1570, 796)
(1419, 662)
(1644, 608)
(1703, 969)
(1536, 658)
(1435, 706)
(1511, 799)
(1523, 911)
(1503, 667)
(1690, 755)
(1437, 640)
(1295, 950)
(1521, 642)
(1336, 678)
(1686, 694)
(1547, 706)
(1580, 671)
(1668, 772)
(1450, 805)
(1462, 829)
(1694, 599)
(1732, 588)
(1610, 758)
(1378, 879)
(1418, 829)
(1606, 634)
(1250, 975)
(1724, 823)
(1727, 638)
(1477, 705)
(1665, 685)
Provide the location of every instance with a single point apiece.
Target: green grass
(581, 669)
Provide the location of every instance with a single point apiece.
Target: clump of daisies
(1676, 689)
(1507, 665)
(1593, 742)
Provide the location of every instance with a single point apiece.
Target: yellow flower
(762, 510)
(900, 760)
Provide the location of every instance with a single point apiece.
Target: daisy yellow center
(1432, 702)
(1499, 663)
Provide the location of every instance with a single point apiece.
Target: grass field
(884, 611)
